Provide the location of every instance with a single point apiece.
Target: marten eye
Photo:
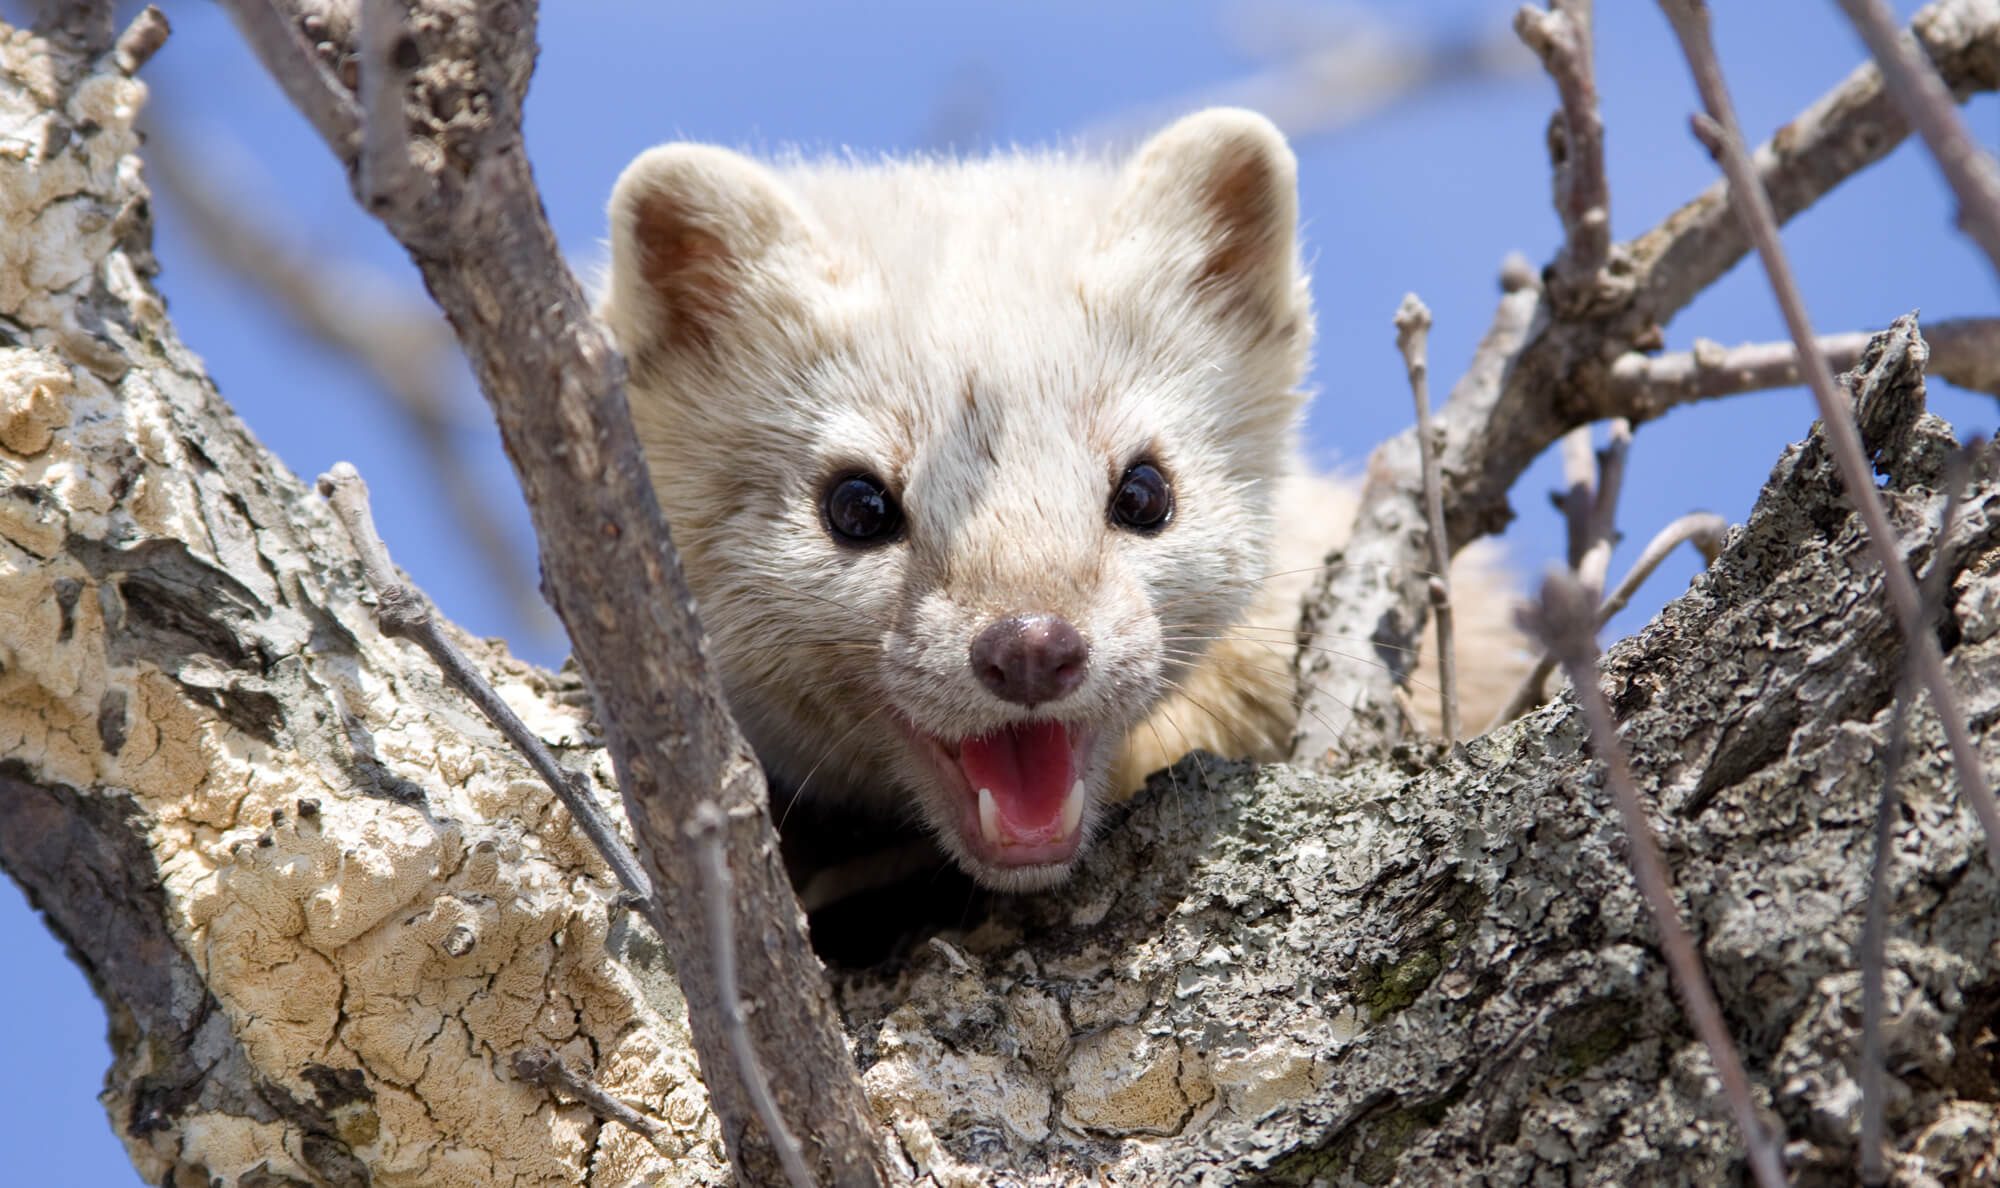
(1144, 501)
(860, 512)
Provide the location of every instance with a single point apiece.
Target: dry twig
(141, 39)
(1704, 530)
(1964, 351)
(706, 828)
(1413, 326)
(1561, 38)
(1874, 925)
(1921, 94)
(540, 1066)
(1561, 619)
(405, 613)
(1539, 374)
(1327, 78)
(405, 349)
(1719, 131)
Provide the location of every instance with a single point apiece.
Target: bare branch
(1561, 618)
(1964, 351)
(405, 348)
(1333, 78)
(272, 29)
(1372, 593)
(557, 386)
(706, 827)
(1718, 128)
(387, 57)
(1413, 327)
(540, 1066)
(1874, 925)
(1539, 374)
(140, 40)
(1925, 101)
(404, 612)
(1604, 508)
(1704, 530)
(1579, 458)
(1561, 38)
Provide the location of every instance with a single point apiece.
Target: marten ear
(701, 239)
(1211, 203)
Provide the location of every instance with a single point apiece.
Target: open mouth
(1020, 790)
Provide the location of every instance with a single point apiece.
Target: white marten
(983, 473)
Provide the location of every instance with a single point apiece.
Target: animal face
(957, 455)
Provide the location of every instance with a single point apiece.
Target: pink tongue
(1027, 767)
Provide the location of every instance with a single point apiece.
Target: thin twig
(1413, 325)
(540, 1066)
(1918, 90)
(1719, 129)
(403, 347)
(141, 39)
(1579, 489)
(272, 29)
(1561, 618)
(1874, 926)
(1964, 351)
(1602, 529)
(1330, 79)
(1704, 530)
(1501, 415)
(705, 828)
(1561, 38)
(406, 613)
(387, 57)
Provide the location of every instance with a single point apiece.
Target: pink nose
(1029, 659)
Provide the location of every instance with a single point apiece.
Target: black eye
(1143, 502)
(860, 512)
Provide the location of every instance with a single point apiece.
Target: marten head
(965, 460)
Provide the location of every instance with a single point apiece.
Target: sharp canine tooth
(1072, 810)
(989, 817)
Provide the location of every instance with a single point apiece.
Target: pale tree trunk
(325, 906)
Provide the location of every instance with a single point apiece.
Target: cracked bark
(323, 904)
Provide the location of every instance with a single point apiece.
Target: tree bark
(325, 907)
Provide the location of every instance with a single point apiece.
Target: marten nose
(1029, 659)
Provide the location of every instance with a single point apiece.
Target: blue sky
(1426, 196)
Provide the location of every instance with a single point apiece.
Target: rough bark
(1549, 363)
(325, 907)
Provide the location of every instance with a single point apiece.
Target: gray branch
(1538, 374)
(557, 390)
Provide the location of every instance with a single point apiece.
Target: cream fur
(997, 340)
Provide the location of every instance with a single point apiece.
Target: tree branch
(1719, 131)
(272, 29)
(1561, 38)
(1924, 101)
(1703, 529)
(1561, 618)
(1964, 351)
(1537, 375)
(404, 348)
(405, 613)
(1413, 323)
(557, 390)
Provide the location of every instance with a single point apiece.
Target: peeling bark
(325, 907)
